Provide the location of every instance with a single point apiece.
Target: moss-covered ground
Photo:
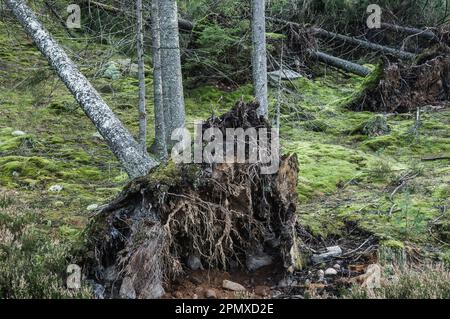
(346, 172)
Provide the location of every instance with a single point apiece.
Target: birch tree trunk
(259, 59)
(121, 142)
(141, 72)
(160, 129)
(173, 99)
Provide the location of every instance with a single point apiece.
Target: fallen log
(352, 40)
(220, 215)
(364, 44)
(426, 34)
(340, 63)
(436, 158)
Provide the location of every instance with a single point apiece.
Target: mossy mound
(403, 88)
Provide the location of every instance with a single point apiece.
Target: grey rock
(285, 74)
(194, 263)
(126, 289)
(337, 267)
(333, 251)
(92, 207)
(15, 174)
(210, 294)
(55, 188)
(233, 286)
(18, 133)
(320, 275)
(330, 272)
(287, 282)
(152, 291)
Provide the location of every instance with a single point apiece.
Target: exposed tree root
(220, 214)
(402, 88)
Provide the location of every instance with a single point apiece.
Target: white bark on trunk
(259, 59)
(173, 99)
(141, 72)
(160, 129)
(121, 142)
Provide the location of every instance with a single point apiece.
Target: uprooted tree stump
(223, 215)
(401, 88)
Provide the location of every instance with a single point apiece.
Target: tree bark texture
(426, 34)
(141, 72)
(259, 59)
(364, 44)
(340, 63)
(173, 99)
(160, 129)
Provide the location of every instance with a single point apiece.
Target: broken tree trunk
(364, 44)
(121, 142)
(352, 40)
(340, 63)
(426, 34)
(225, 215)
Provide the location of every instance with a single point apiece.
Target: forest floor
(373, 193)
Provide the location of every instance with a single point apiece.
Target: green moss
(323, 167)
(167, 174)
(395, 244)
(380, 142)
(370, 82)
(275, 36)
(441, 191)
(204, 101)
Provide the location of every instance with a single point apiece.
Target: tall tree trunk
(160, 129)
(259, 59)
(121, 142)
(141, 72)
(173, 99)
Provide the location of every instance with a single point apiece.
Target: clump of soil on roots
(401, 88)
(219, 215)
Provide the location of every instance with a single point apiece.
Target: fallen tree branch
(436, 158)
(340, 63)
(426, 34)
(364, 44)
(352, 40)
